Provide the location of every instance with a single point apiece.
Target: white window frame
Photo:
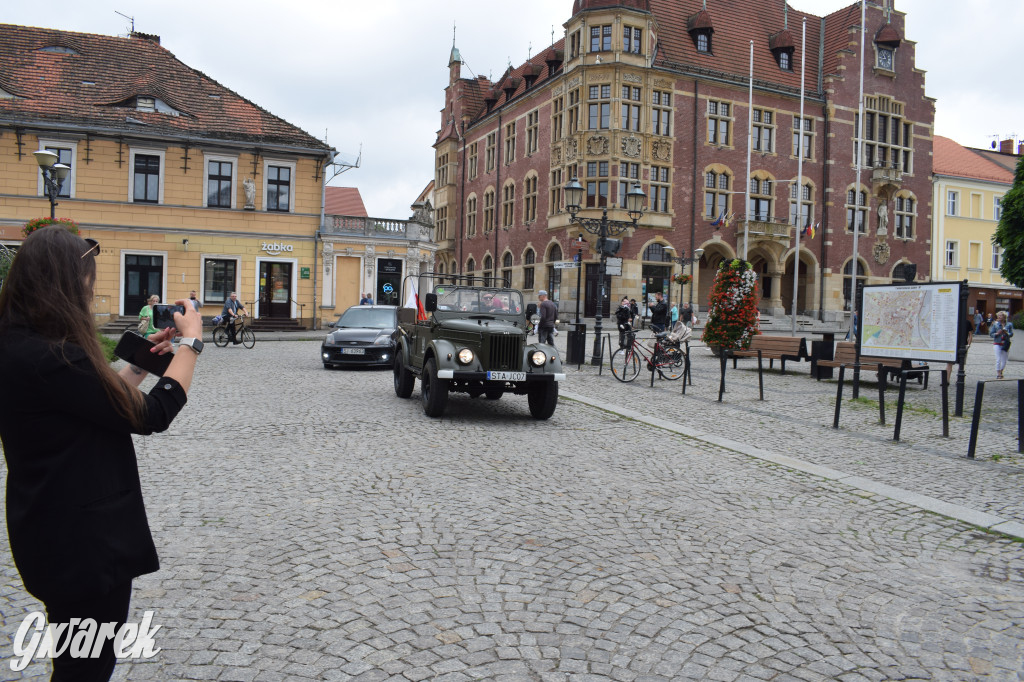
(267, 163)
(69, 182)
(952, 249)
(233, 160)
(952, 202)
(997, 257)
(202, 274)
(161, 178)
(997, 208)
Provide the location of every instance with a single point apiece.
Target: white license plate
(353, 351)
(506, 376)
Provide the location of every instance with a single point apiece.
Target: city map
(911, 321)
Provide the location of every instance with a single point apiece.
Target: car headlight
(382, 341)
(538, 358)
(465, 356)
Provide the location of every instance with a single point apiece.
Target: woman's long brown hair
(49, 290)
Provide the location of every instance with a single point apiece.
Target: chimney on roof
(146, 36)
(1006, 146)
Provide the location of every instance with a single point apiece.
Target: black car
(362, 337)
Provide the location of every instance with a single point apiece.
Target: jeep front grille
(505, 352)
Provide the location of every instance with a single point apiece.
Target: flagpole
(799, 178)
(855, 264)
(750, 139)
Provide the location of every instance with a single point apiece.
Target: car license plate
(353, 351)
(506, 376)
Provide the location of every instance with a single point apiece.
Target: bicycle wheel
(248, 338)
(670, 363)
(220, 337)
(625, 364)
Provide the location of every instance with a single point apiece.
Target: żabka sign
(274, 248)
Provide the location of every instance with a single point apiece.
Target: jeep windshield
(477, 300)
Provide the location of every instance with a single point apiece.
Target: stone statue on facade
(249, 186)
(883, 218)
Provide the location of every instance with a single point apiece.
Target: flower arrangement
(34, 224)
(682, 278)
(732, 307)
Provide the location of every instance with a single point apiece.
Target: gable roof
(92, 81)
(949, 158)
(344, 201)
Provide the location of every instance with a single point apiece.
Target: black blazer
(75, 516)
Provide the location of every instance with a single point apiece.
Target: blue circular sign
(388, 288)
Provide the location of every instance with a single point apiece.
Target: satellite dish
(993, 144)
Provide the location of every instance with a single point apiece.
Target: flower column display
(732, 307)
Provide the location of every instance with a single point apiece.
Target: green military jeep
(474, 341)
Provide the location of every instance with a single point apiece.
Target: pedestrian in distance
(194, 301)
(978, 319)
(623, 316)
(634, 310)
(1001, 331)
(548, 316)
(659, 314)
(75, 514)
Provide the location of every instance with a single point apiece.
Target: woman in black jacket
(75, 515)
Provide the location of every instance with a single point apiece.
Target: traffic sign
(565, 264)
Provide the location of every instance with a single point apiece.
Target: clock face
(885, 58)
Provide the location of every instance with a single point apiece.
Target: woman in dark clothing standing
(75, 515)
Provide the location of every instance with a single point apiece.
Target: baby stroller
(678, 335)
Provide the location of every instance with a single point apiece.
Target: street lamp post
(684, 261)
(54, 175)
(606, 246)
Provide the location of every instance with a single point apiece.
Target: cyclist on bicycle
(232, 311)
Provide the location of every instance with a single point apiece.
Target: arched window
(488, 271)
(716, 193)
(506, 270)
(488, 210)
(508, 204)
(856, 206)
(528, 260)
(806, 205)
(530, 199)
(848, 289)
(471, 216)
(657, 252)
(761, 189)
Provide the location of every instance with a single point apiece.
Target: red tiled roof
(949, 158)
(344, 201)
(95, 85)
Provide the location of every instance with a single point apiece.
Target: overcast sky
(372, 75)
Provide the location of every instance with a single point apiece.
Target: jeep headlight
(465, 356)
(538, 358)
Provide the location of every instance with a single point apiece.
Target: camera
(163, 315)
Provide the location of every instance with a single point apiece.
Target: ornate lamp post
(684, 261)
(54, 175)
(606, 246)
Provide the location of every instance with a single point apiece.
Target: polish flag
(413, 301)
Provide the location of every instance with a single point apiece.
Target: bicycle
(243, 334)
(667, 358)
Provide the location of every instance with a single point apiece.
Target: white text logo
(81, 639)
(274, 248)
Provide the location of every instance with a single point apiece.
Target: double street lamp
(683, 261)
(54, 175)
(605, 230)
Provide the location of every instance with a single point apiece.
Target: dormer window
(887, 40)
(700, 29)
(782, 47)
(703, 43)
(59, 49)
(785, 61)
(145, 104)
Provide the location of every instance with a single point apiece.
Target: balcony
(376, 228)
(887, 176)
(761, 225)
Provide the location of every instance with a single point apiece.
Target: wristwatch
(193, 343)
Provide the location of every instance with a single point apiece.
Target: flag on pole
(814, 228)
(719, 220)
(413, 301)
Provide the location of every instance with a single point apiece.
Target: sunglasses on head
(93, 246)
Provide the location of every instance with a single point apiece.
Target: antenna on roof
(453, 34)
(529, 51)
(785, 14)
(705, 5)
(131, 19)
(552, 34)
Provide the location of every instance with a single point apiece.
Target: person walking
(1001, 331)
(978, 319)
(634, 311)
(75, 514)
(548, 315)
(659, 314)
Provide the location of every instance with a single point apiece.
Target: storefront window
(218, 280)
(389, 282)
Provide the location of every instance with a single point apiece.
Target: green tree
(1010, 232)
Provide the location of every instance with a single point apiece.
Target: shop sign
(274, 248)
(304, 273)
(1010, 294)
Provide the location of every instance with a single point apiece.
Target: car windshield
(367, 318)
(475, 300)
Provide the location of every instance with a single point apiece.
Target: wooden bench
(846, 354)
(774, 348)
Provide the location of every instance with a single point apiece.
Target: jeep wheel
(434, 390)
(543, 398)
(494, 393)
(404, 379)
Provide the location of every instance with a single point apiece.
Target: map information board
(912, 321)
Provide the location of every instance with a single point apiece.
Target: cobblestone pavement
(312, 526)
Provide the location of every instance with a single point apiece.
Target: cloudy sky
(370, 76)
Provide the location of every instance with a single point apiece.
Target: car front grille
(505, 352)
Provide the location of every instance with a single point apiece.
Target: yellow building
(967, 191)
(185, 184)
